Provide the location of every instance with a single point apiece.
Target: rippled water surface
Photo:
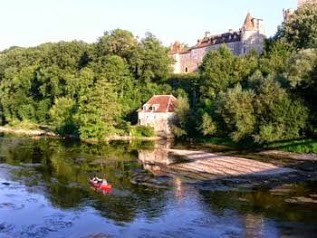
(44, 192)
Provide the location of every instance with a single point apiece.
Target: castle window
(186, 69)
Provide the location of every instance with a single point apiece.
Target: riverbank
(226, 171)
(46, 132)
(210, 171)
(216, 165)
(27, 132)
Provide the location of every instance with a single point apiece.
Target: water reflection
(48, 179)
(157, 159)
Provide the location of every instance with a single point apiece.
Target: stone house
(250, 37)
(159, 113)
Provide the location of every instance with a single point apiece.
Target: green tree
(16, 95)
(151, 59)
(117, 42)
(62, 116)
(301, 72)
(275, 57)
(115, 69)
(221, 70)
(182, 111)
(302, 79)
(208, 125)
(217, 72)
(301, 29)
(236, 112)
(65, 55)
(280, 116)
(98, 111)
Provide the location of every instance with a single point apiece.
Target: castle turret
(252, 35)
(288, 13)
(175, 50)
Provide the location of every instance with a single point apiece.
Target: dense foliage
(87, 90)
(94, 90)
(259, 98)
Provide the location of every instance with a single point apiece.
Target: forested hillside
(94, 90)
(89, 90)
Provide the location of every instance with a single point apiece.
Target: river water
(44, 192)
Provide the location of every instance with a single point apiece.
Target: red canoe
(101, 185)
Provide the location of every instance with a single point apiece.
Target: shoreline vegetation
(225, 146)
(46, 132)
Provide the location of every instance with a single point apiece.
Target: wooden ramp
(213, 165)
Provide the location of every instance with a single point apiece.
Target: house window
(145, 107)
(154, 107)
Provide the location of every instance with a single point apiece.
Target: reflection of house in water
(155, 160)
(254, 226)
(179, 189)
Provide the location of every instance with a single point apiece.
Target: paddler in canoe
(97, 180)
(100, 183)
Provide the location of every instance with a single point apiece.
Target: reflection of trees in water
(64, 170)
(261, 204)
(149, 203)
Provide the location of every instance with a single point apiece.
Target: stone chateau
(250, 37)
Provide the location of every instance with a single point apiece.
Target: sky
(28, 23)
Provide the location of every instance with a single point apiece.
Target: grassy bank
(304, 145)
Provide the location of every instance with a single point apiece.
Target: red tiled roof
(160, 103)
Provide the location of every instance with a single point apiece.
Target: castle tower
(252, 35)
(287, 13)
(175, 50)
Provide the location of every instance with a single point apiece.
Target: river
(44, 192)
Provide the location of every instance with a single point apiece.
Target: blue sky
(32, 22)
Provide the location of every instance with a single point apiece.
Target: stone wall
(190, 61)
(161, 122)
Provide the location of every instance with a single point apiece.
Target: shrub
(140, 131)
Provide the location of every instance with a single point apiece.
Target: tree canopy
(301, 29)
(82, 89)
